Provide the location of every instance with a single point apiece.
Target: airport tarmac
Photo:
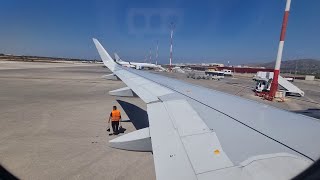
(53, 124)
(53, 120)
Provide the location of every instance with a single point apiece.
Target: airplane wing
(198, 133)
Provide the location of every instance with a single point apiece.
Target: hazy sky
(240, 31)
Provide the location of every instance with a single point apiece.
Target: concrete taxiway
(53, 124)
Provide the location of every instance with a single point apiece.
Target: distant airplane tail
(118, 59)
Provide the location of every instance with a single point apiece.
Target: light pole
(157, 53)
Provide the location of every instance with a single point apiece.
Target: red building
(252, 70)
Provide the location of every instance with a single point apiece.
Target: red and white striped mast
(274, 84)
(171, 46)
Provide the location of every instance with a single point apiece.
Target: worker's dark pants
(115, 127)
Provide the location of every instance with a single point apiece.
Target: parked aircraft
(137, 65)
(194, 137)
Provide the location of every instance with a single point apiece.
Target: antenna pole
(150, 55)
(171, 45)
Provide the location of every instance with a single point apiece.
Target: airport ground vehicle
(264, 80)
(216, 75)
(227, 72)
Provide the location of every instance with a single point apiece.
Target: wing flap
(185, 119)
(168, 150)
(205, 152)
(180, 134)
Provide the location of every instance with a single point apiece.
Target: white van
(227, 72)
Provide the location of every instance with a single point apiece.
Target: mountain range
(302, 66)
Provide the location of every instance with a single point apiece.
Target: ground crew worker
(115, 117)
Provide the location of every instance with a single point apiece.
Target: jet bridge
(284, 83)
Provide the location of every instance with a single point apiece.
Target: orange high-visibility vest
(115, 115)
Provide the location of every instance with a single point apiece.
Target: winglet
(106, 58)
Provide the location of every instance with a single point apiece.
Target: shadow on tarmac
(312, 112)
(137, 116)
(4, 174)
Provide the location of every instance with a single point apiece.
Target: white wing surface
(197, 133)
